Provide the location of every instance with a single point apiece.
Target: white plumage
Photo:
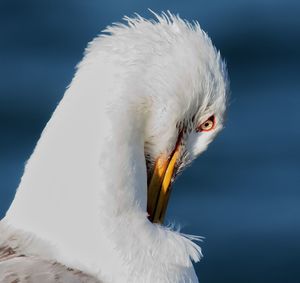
(141, 88)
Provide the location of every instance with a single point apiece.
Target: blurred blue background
(243, 194)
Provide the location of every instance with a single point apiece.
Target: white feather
(84, 189)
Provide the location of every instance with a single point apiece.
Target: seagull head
(180, 81)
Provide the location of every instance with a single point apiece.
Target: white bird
(147, 99)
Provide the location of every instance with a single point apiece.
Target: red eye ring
(208, 125)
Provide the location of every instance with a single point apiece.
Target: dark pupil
(206, 124)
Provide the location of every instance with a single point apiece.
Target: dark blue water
(243, 194)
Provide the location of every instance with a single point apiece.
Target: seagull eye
(208, 125)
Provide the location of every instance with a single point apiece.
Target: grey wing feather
(16, 268)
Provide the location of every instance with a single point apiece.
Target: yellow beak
(159, 187)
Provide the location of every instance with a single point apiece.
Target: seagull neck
(84, 190)
(87, 169)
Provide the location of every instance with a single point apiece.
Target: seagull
(145, 101)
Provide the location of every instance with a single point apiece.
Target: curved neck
(84, 189)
